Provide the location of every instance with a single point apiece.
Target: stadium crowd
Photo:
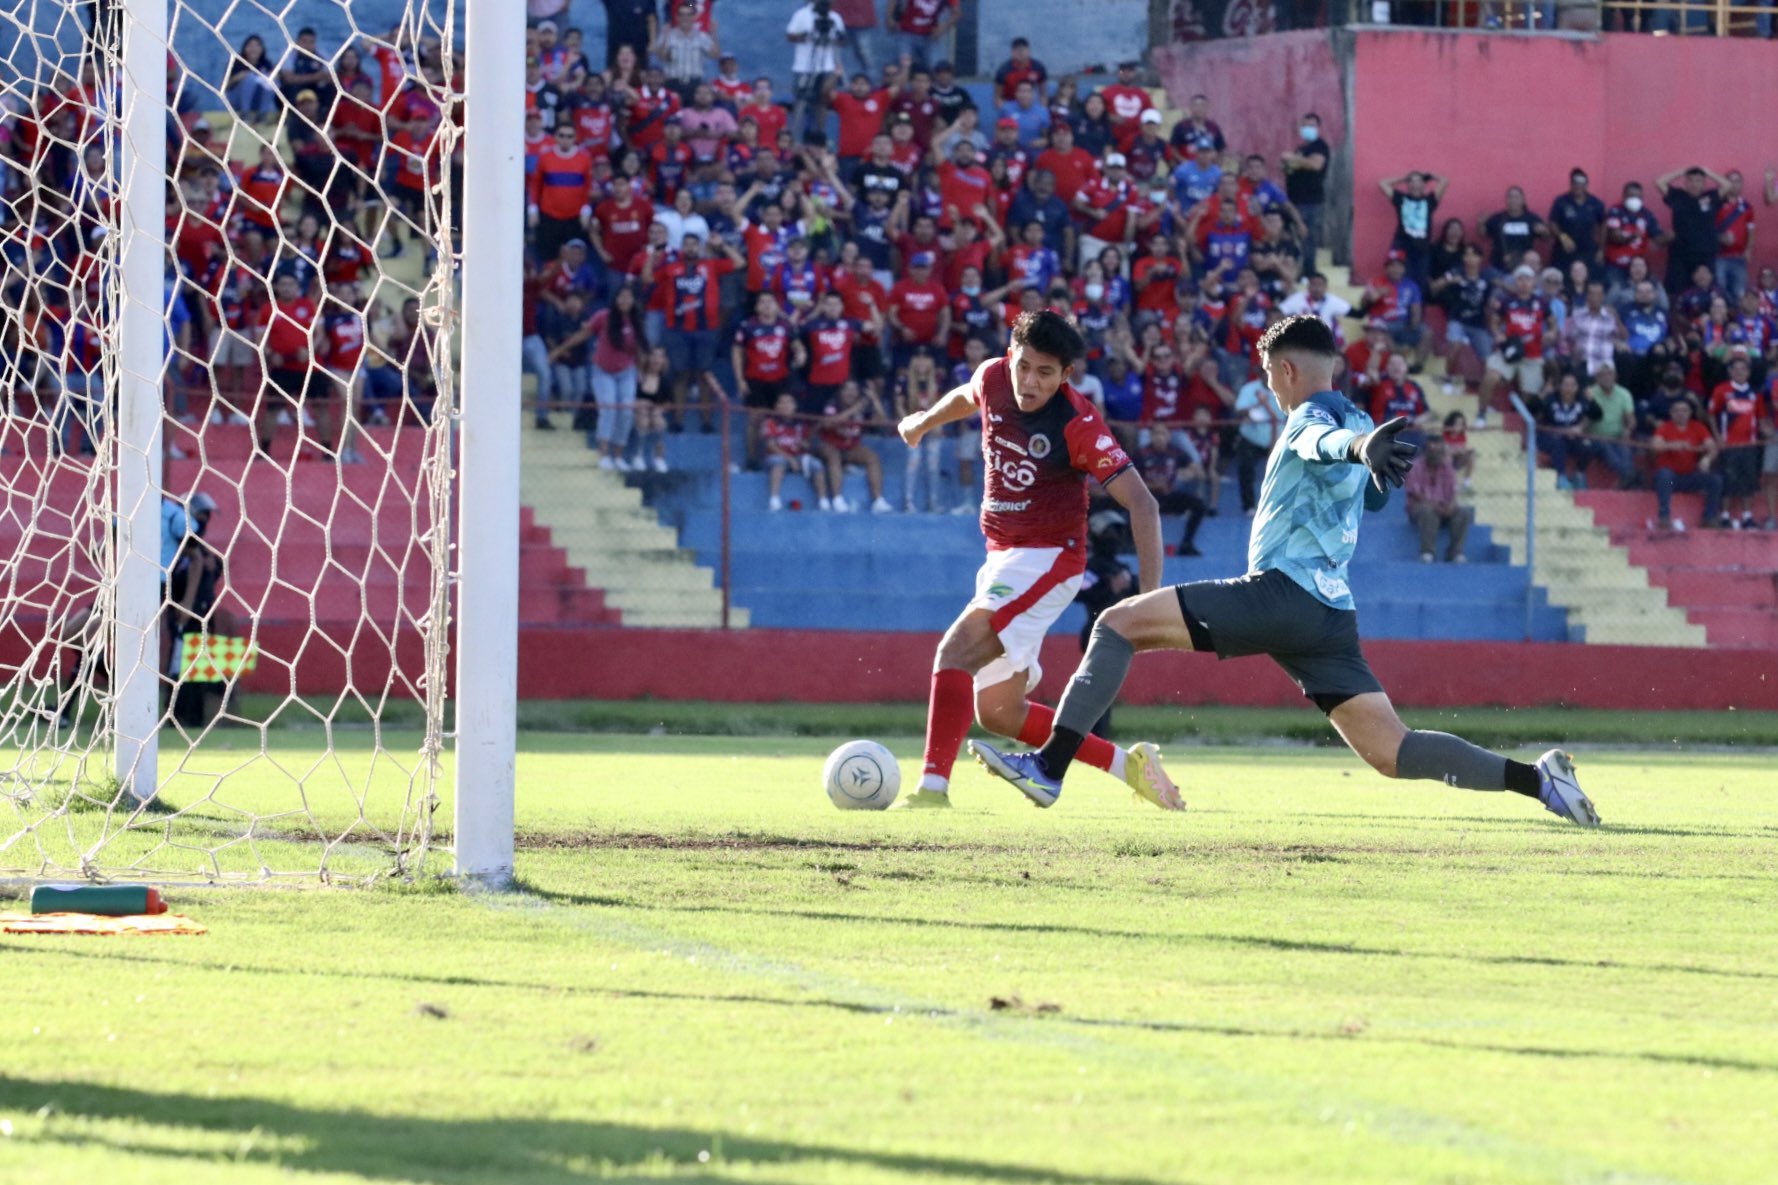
(835, 258)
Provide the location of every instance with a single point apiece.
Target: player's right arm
(959, 404)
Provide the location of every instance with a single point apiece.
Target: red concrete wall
(1490, 111)
(766, 666)
(1258, 86)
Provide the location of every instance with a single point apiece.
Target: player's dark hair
(1308, 334)
(1049, 332)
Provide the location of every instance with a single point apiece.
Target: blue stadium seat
(809, 570)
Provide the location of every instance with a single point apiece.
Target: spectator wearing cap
(1305, 180)
(1020, 67)
(1033, 116)
(683, 48)
(551, 54)
(302, 68)
(919, 312)
(1198, 176)
(313, 157)
(919, 25)
(1125, 103)
(1519, 323)
(1105, 205)
(1150, 159)
(1577, 217)
(1398, 301)
(1197, 127)
(1415, 196)
(820, 37)
(629, 22)
(951, 98)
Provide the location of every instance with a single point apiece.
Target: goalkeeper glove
(1388, 458)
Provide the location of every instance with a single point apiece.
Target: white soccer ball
(861, 776)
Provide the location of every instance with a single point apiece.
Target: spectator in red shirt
(1739, 418)
(1684, 460)
(861, 111)
(289, 356)
(1022, 67)
(1125, 103)
(785, 440)
(1105, 204)
(770, 117)
(693, 307)
(1155, 276)
(1397, 394)
(842, 443)
(918, 25)
(1366, 360)
(1163, 387)
(762, 354)
(867, 301)
(963, 188)
(619, 228)
(1734, 236)
(919, 312)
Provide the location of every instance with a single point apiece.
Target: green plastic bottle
(110, 900)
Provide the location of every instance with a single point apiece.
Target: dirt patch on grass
(743, 842)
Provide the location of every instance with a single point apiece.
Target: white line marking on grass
(1400, 1125)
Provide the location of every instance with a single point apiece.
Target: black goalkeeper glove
(1388, 458)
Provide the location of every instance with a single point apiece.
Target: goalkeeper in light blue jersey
(1295, 602)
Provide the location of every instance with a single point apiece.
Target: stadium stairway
(1725, 581)
(610, 536)
(812, 570)
(1608, 595)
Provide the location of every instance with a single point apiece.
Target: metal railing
(1711, 18)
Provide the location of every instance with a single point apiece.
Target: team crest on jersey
(1040, 446)
(1103, 442)
(1000, 590)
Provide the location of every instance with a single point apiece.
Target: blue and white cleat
(1561, 793)
(1023, 770)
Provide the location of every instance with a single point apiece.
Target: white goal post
(464, 502)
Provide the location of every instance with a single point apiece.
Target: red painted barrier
(767, 666)
(1492, 110)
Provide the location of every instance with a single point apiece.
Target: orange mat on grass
(92, 923)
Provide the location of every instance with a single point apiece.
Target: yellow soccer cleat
(924, 800)
(1148, 778)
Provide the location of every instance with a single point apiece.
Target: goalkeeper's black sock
(1058, 752)
(1523, 779)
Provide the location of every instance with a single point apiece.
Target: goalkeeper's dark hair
(1049, 332)
(1306, 333)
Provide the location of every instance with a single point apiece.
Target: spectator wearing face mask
(1631, 232)
(1305, 181)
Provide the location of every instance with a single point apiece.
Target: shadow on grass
(458, 1150)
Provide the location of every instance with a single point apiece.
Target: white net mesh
(304, 445)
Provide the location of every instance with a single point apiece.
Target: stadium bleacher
(815, 570)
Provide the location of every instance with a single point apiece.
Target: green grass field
(710, 975)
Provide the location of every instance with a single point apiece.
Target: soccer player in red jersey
(1041, 441)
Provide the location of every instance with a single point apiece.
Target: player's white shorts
(1026, 589)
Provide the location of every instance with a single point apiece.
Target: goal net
(229, 382)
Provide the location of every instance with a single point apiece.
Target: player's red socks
(1096, 751)
(949, 714)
